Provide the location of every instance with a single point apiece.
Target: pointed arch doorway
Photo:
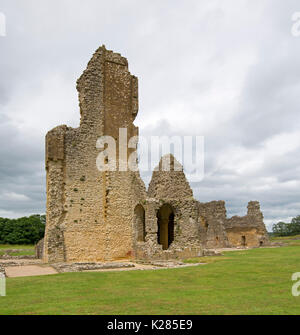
(165, 225)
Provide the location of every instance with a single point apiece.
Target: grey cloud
(187, 57)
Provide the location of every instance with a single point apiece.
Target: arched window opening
(140, 227)
(243, 241)
(165, 223)
(204, 222)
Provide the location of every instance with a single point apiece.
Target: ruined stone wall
(168, 180)
(170, 188)
(211, 220)
(198, 224)
(90, 212)
(55, 167)
(186, 233)
(98, 215)
(249, 230)
(39, 249)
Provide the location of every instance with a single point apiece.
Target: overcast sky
(227, 70)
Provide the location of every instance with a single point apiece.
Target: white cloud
(12, 196)
(227, 70)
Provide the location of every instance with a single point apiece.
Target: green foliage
(280, 229)
(287, 229)
(25, 230)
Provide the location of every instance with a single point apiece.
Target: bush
(25, 230)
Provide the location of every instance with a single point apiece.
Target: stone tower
(89, 212)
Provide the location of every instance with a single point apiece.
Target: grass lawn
(16, 246)
(26, 249)
(256, 281)
(289, 240)
(19, 253)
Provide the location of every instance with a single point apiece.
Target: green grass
(16, 246)
(206, 259)
(24, 249)
(23, 253)
(288, 240)
(19, 253)
(256, 281)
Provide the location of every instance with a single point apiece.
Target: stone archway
(243, 241)
(165, 225)
(139, 223)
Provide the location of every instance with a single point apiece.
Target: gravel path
(29, 270)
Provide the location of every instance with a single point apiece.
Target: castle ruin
(95, 215)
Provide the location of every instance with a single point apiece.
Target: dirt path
(28, 270)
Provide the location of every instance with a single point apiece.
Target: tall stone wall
(186, 241)
(249, 230)
(90, 212)
(212, 218)
(170, 189)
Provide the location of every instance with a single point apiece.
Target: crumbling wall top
(169, 181)
(104, 70)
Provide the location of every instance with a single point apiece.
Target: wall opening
(139, 220)
(204, 222)
(243, 241)
(165, 223)
(261, 243)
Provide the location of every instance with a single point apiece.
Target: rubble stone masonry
(95, 215)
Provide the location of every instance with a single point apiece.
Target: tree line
(287, 229)
(25, 230)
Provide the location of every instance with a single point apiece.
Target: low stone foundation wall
(170, 254)
(77, 267)
(8, 256)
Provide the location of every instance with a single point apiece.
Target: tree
(280, 229)
(287, 229)
(295, 225)
(25, 230)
